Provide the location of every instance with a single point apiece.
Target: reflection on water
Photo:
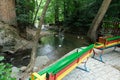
(53, 46)
(57, 46)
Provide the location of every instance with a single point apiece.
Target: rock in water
(78, 37)
(60, 45)
(15, 72)
(41, 61)
(23, 68)
(35, 69)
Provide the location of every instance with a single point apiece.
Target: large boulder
(10, 39)
(8, 36)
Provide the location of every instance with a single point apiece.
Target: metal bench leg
(85, 67)
(94, 53)
(100, 56)
(101, 59)
(114, 50)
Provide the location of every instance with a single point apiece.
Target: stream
(52, 46)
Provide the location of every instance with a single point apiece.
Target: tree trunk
(97, 20)
(38, 7)
(56, 12)
(37, 36)
(7, 12)
(65, 10)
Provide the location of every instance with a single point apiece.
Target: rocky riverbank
(10, 41)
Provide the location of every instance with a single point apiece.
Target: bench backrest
(107, 42)
(65, 61)
(113, 38)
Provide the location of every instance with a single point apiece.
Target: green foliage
(50, 14)
(112, 19)
(73, 13)
(25, 11)
(1, 58)
(110, 25)
(5, 70)
(107, 25)
(83, 12)
(113, 13)
(80, 13)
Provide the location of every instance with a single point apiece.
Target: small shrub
(5, 70)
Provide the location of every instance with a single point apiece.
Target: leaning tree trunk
(38, 7)
(37, 36)
(56, 8)
(7, 12)
(97, 20)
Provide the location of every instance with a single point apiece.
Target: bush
(5, 70)
(25, 12)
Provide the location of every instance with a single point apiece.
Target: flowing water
(53, 46)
